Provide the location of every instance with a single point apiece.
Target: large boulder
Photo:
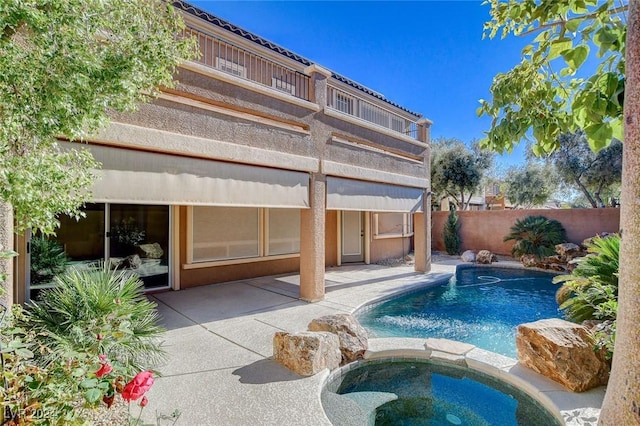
(306, 353)
(562, 351)
(567, 249)
(468, 256)
(529, 260)
(352, 336)
(485, 257)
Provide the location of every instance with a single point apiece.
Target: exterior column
(318, 84)
(6, 243)
(422, 222)
(312, 242)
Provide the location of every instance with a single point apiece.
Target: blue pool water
(437, 394)
(479, 305)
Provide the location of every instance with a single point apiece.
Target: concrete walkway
(219, 340)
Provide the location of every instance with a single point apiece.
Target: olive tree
(592, 173)
(528, 185)
(543, 97)
(457, 170)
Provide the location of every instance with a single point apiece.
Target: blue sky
(427, 56)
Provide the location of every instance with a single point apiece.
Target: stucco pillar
(318, 88)
(422, 222)
(6, 243)
(312, 242)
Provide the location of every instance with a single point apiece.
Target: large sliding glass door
(124, 236)
(139, 241)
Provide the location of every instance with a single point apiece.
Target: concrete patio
(219, 340)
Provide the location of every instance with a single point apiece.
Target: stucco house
(258, 162)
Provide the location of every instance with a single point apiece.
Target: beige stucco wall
(389, 248)
(484, 230)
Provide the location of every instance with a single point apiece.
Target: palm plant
(98, 311)
(536, 235)
(591, 291)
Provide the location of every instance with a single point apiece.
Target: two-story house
(258, 162)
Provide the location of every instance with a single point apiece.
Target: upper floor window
(231, 67)
(343, 103)
(283, 85)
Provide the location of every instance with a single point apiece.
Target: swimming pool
(425, 392)
(479, 305)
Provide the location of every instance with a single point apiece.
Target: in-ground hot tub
(405, 391)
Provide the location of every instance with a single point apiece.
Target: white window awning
(130, 176)
(349, 194)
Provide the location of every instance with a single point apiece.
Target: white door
(352, 237)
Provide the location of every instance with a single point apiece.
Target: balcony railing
(368, 111)
(234, 60)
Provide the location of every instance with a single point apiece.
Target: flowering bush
(92, 338)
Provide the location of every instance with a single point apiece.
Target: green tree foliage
(590, 172)
(64, 65)
(528, 185)
(536, 235)
(545, 94)
(457, 170)
(452, 234)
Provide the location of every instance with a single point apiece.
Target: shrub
(536, 235)
(452, 234)
(89, 339)
(48, 259)
(591, 291)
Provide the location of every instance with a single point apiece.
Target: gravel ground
(117, 415)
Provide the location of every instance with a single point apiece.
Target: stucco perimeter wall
(484, 230)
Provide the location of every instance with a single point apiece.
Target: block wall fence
(484, 230)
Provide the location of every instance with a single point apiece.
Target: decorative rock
(557, 267)
(485, 257)
(352, 336)
(589, 240)
(567, 249)
(559, 259)
(468, 256)
(529, 260)
(132, 262)
(562, 351)
(151, 251)
(306, 353)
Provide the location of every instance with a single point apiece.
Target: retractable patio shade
(349, 194)
(129, 176)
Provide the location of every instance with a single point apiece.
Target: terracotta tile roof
(212, 19)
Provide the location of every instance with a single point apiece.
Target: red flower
(102, 357)
(144, 401)
(105, 369)
(138, 386)
(99, 336)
